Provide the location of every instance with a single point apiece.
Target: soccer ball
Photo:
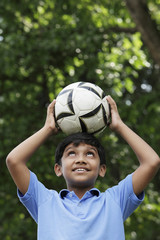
(82, 107)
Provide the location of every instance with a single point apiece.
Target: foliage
(45, 45)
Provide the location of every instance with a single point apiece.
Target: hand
(115, 117)
(50, 120)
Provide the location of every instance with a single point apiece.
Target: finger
(53, 102)
(111, 102)
(109, 99)
(51, 106)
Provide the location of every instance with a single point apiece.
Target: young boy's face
(80, 166)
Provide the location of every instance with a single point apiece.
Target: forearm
(22, 153)
(144, 153)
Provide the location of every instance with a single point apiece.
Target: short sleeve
(125, 197)
(36, 194)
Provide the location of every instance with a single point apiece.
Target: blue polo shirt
(97, 216)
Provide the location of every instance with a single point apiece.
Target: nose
(80, 160)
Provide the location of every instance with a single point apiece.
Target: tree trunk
(146, 26)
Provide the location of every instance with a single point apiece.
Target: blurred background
(48, 44)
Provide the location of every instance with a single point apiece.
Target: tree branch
(146, 26)
(123, 29)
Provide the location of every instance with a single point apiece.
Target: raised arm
(17, 159)
(148, 158)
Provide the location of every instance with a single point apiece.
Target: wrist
(49, 131)
(119, 127)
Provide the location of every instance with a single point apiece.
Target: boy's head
(76, 139)
(80, 159)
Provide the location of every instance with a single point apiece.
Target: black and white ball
(82, 107)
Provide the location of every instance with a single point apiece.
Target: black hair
(76, 139)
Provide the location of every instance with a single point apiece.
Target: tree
(147, 24)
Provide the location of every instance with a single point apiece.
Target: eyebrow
(92, 148)
(68, 148)
(89, 148)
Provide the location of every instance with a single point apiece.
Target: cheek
(66, 168)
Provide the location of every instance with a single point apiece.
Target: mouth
(80, 170)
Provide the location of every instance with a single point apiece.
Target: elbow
(153, 163)
(10, 161)
(156, 163)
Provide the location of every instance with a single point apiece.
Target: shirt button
(79, 204)
(71, 195)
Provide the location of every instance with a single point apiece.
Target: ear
(102, 170)
(58, 169)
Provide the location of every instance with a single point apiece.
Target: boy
(81, 211)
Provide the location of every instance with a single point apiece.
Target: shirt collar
(93, 191)
(63, 193)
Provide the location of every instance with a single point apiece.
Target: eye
(71, 153)
(90, 154)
